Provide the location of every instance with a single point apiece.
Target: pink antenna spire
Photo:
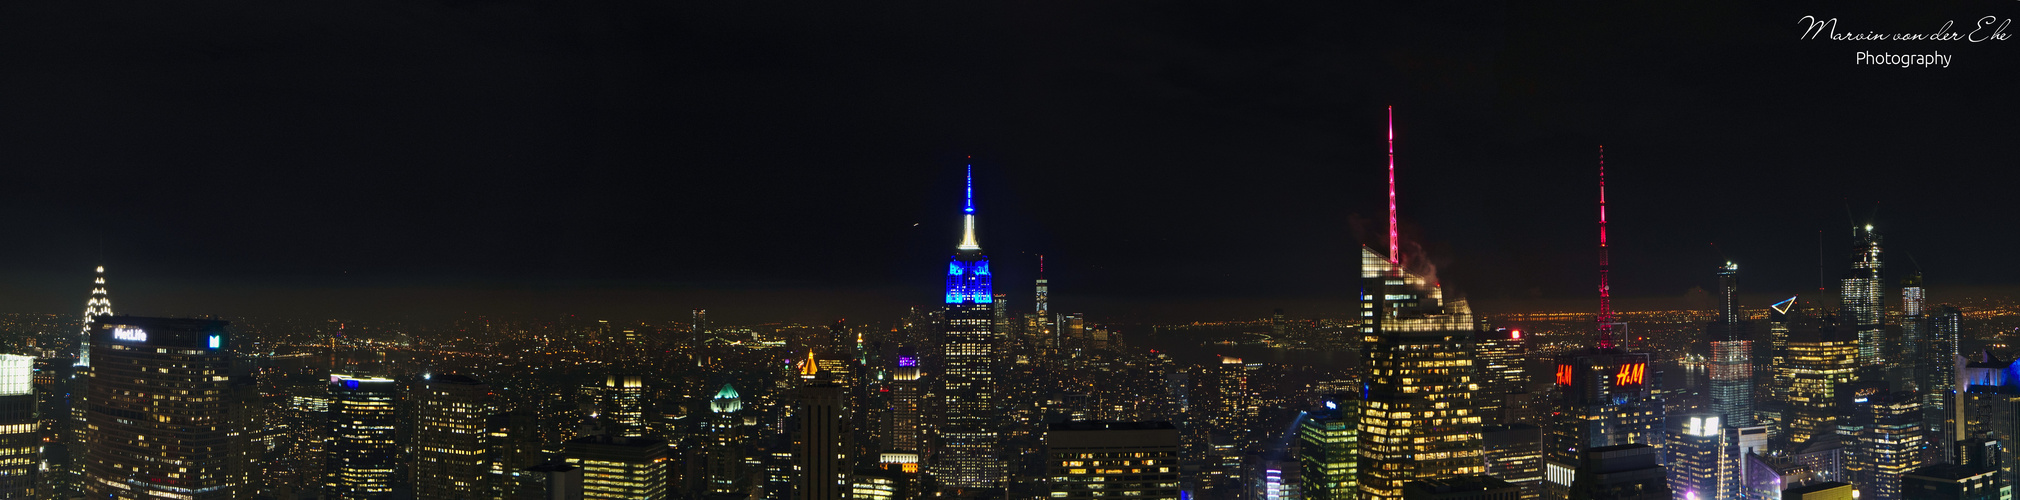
(1395, 256)
(1041, 266)
(1605, 292)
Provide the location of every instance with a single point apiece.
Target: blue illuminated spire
(968, 219)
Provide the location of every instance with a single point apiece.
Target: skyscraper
(1417, 419)
(1694, 457)
(204, 449)
(700, 329)
(1888, 441)
(723, 447)
(1231, 403)
(821, 444)
(618, 467)
(1604, 395)
(363, 419)
(1732, 351)
(20, 426)
(1820, 364)
(1504, 379)
(905, 415)
(969, 438)
(1939, 362)
(624, 404)
(1909, 369)
(98, 305)
(1988, 404)
(1860, 292)
(450, 446)
(1328, 453)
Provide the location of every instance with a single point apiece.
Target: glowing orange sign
(1630, 374)
(1563, 374)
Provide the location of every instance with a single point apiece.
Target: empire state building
(969, 452)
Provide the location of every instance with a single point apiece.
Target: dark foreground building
(169, 412)
(1089, 459)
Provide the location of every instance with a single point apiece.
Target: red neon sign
(1630, 374)
(1563, 374)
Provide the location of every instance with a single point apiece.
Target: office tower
(820, 447)
(1887, 442)
(1914, 334)
(1988, 404)
(450, 443)
(1073, 328)
(1327, 452)
(1943, 327)
(1732, 351)
(1231, 399)
(619, 467)
(723, 445)
(1624, 472)
(1417, 419)
(1694, 457)
(1515, 454)
(551, 481)
(1094, 459)
(1950, 482)
(624, 404)
(1462, 488)
(1604, 395)
(700, 330)
(204, 449)
(1860, 291)
(1778, 338)
(1829, 490)
(1741, 462)
(1504, 380)
(1708, 459)
(20, 428)
(1819, 364)
(905, 421)
(363, 418)
(969, 437)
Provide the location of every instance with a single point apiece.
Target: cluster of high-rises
(967, 400)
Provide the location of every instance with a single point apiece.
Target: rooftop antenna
(1395, 255)
(1605, 317)
(1822, 275)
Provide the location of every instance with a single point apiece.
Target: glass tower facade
(362, 422)
(1821, 363)
(1327, 453)
(1860, 292)
(1417, 404)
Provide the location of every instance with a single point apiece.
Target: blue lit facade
(969, 455)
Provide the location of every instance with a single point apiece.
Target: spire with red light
(1395, 256)
(1605, 292)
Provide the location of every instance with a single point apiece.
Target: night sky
(802, 161)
